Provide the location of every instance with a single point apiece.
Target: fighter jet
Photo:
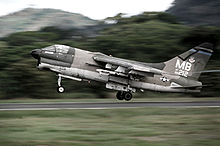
(179, 74)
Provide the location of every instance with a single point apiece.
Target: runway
(104, 105)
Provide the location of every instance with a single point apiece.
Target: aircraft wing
(111, 60)
(124, 66)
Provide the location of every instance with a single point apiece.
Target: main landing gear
(60, 88)
(124, 95)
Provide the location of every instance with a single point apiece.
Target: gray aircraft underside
(179, 74)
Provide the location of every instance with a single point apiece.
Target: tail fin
(190, 62)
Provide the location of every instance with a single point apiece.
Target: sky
(95, 9)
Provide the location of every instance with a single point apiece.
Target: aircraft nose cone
(36, 53)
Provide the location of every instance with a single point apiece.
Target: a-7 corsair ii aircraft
(179, 74)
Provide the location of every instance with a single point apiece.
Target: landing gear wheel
(127, 96)
(119, 95)
(124, 95)
(60, 89)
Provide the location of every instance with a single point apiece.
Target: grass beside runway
(132, 126)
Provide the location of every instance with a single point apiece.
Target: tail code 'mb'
(190, 63)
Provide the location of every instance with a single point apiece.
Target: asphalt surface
(106, 105)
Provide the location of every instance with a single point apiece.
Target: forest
(148, 37)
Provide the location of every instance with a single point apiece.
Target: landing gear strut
(60, 88)
(124, 95)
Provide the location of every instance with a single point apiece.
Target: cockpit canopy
(59, 55)
(58, 49)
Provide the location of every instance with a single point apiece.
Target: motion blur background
(147, 37)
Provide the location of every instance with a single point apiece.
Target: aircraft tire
(119, 95)
(60, 89)
(127, 96)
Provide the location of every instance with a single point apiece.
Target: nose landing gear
(60, 88)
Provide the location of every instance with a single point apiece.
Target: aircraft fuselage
(118, 74)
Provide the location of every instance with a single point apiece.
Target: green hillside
(197, 12)
(33, 19)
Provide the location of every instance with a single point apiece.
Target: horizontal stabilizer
(207, 71)
(191, 87)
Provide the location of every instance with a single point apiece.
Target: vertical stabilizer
(190, 63)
